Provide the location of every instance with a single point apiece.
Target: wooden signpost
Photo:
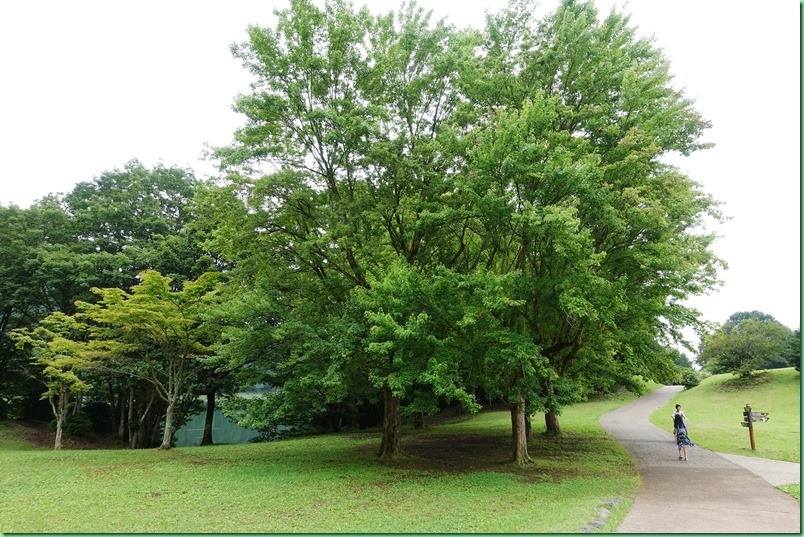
(751, 418)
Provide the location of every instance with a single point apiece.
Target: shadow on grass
(736, 384)
(555, 458)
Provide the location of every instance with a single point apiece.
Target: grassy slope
(715, 410)
(328, 483)
(10, 442)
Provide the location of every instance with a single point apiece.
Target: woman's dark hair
(678, 421)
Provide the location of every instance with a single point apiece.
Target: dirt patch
(32, 432)
(457, 453)
(451, 453)
(430, 450)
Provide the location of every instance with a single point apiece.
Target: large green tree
(136, 218)
(348, 110)
(773, 361)
(380, 151)
(566, 178)
(38, 277)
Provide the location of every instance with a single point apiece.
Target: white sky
(85, 86)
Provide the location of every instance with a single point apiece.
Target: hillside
(715, 412)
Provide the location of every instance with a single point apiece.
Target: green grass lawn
(455, 478)
(331, 483)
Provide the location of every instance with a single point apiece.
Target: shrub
(79, 425)
(689, 378)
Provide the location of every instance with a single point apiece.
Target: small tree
(157, 332)
(413, 359)
(59, 348)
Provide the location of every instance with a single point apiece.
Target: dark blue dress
(683, 439)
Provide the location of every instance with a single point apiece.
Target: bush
(689, 378)
(79, 425)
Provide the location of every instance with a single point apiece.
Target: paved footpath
(710, 493)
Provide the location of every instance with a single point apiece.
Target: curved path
(710, 493)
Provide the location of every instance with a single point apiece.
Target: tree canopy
(101, 234)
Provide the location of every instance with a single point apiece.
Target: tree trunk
(391, 445)
(206, 440)
(336, 422)
(79, 401)
(59, 432)
(132, 424)
(168, 434)
(61, 416)
(143, 420)
(551, 422)
(152, 437)
(122, 424)
(419, 421)
(519, 431)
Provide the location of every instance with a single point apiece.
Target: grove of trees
(101, 235)
(413, 215)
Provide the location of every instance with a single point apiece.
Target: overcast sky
(88, 85)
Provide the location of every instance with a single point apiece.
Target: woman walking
(673, 417)
(681, 436)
